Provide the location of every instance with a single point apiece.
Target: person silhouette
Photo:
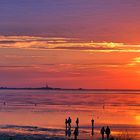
(69, 121)
(77, 122)
(102, 132)
(107, 131)
(66, 127)
(76, 133)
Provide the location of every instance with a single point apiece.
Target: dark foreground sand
(40, 137)
(28, 137)
(14, 132)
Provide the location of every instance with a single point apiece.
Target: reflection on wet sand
(49, 109)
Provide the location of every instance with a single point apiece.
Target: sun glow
(138, 119)
(137, 60)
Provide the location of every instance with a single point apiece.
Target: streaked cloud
(44, 43)
(33, 60)
(135, 61)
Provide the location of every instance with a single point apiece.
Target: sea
(41, 114)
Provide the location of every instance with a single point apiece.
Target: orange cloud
(32, 42)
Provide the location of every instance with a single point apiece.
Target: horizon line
(59, 88)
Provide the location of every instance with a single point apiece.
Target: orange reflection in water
(49, 109)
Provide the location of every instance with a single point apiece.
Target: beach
(69, 69)
(41, 114)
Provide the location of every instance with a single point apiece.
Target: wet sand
(41, 114)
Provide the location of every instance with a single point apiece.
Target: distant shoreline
(69, 89)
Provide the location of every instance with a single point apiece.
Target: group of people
(68, 131)
(105, 131)
(68, 128)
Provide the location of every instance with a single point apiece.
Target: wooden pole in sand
(92, 122)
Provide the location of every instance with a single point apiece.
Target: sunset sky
(70, 43)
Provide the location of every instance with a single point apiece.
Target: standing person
(69, 121)
(66, 127)
(102, 132)
(76, 133)
(107, 132)
(66, 121)
(77, 122)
